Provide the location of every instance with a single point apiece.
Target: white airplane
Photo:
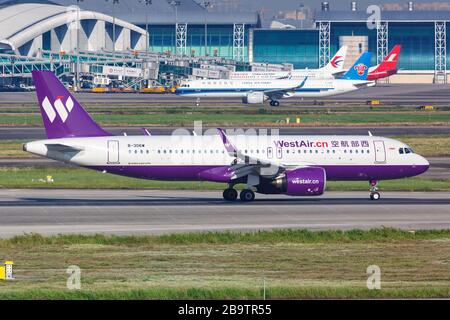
(330, 71)
(291, 165)
(259, 91)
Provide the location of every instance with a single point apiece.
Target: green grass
(214, 117)
(79, 178)
(231, 237)
(428, 146)
(293, 263)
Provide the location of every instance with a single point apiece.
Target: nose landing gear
(374, 194)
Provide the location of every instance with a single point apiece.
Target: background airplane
(387, 67)
(334, 67)
(259, 91)
(291, 165)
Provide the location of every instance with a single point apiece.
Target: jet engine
(309, 181)
(254, 97)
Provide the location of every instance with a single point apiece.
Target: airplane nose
(423, 164)
(24, 147)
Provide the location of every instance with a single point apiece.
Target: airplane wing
(280, 93)
(244, 165)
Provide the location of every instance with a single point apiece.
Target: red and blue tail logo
(336, 62)
(360, 69)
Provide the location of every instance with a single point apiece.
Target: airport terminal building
(181, 33)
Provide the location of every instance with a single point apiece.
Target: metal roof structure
(160, 12)
(22, 24)
(391, 16)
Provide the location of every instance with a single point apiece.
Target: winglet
(146, 132)
(303, 83)
(231, 149)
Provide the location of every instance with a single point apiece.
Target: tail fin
(389, 63)
(360, 69)
(336, 63)
(62, 115)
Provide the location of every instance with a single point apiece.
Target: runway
(161, 212)
(36, 133)
(404, 94)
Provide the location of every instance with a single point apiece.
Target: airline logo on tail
(336, 62)
(392, 57)
(58, 108)
(360, 68)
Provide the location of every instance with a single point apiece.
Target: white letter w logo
(62, 110)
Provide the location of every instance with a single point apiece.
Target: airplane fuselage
(241, 88)
(199, 157)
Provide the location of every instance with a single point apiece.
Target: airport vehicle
(291, 165)
(387, 67)
(333, 69)
(259, 91)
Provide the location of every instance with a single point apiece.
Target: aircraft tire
(247, 195)
(375, 196)
(230, 194)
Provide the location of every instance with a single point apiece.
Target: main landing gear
(230, 194)
(374, 195)
(274, 103)
(246, 195)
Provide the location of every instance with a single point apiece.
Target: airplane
(330, 71)
(387, 67)
(268, 164)
(259, 91)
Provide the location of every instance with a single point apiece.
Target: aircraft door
(380, 151)
(269, 153)
(279, 153)
(113, 151)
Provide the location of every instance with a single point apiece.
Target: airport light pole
(206, 4)
(147, 4)
(77, 64)
(114, 2)
(175, 4)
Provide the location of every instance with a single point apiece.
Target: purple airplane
(291, 165)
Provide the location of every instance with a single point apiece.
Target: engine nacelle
(310, 181)
(254, 97)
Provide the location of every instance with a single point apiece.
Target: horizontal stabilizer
(57, 147)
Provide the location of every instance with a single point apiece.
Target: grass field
(293, 264)
(247, 117)
(428, 146)
(78, 178)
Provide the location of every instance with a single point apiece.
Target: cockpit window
(405, 150)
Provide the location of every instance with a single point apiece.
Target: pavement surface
(36, 133)
(161, 212)
(403, 94)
